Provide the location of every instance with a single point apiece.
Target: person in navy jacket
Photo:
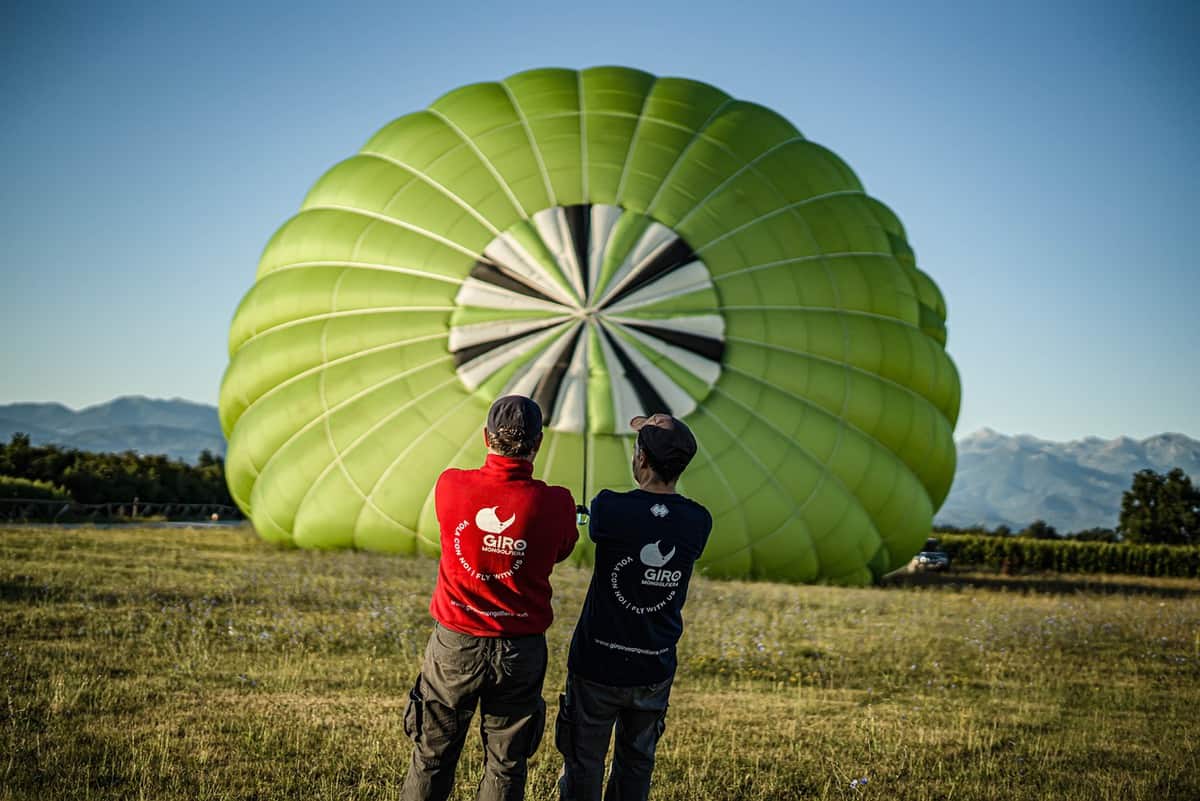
(502, 532)
(622, 659)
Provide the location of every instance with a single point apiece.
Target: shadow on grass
(1055, 584)
(22, 589)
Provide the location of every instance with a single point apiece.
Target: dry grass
(204, 664)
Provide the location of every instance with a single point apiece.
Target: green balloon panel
(610, 243)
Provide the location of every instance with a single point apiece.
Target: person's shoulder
(607, 497)
(559, 494)
(697, 508)
(453, 475)
(551, 495)
(456, 479)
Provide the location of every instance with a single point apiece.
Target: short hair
(666, 472)
(511, 442)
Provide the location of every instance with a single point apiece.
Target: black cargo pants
(503, 676)
(586, 714)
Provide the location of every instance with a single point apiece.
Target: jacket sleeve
(597, 519)
(440, 492)
(564, 521)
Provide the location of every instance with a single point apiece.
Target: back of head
(667, 442)
(514, 426)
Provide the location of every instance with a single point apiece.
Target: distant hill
(179, 428)
(1014, 480)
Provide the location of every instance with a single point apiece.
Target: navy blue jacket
(646, 546)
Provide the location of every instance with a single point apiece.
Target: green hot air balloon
(611, 244)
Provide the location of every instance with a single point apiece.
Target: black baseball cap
(516, 414)
(666, 440)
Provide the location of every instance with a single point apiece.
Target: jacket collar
(507, 468)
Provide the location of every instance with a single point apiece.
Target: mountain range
(1014, 480)
(179, 428)
(1001, 479)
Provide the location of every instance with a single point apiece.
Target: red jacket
(502, 533)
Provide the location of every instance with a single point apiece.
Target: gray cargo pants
(586, 713)
(503, 676)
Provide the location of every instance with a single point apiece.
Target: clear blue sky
(1044, 157)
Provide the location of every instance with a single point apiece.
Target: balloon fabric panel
(610, 243)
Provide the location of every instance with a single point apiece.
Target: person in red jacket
(502, 532)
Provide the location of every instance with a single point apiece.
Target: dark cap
(515, 414)
(666, 440)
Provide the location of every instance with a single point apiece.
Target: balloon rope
(584, 342)
(586, 436)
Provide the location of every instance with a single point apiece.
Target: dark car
(931, 557)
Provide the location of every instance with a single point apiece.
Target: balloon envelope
(611, 244)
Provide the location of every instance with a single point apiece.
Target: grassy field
(204, 664)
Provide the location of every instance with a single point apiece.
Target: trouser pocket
(537, 726)
(414, 712)
(562, 727)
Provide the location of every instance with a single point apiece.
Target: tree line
(51, 472)
(1012, 555)
(1157, 509)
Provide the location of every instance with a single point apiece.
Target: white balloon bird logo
(653, 556)
(487, 520)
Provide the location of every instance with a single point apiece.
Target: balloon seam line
(326, 418)
(821, 410)
(618, 281)
(537, 354)
(797, 507)
(487, 163)
(416, 229)
(533, 145)
(746, 167)
(583, 148)
(431, 496)
(535, 340)
(358, 440)
(291, 379)
(369, 497)
(881, 378)
(632, 302)
(777, 211)
(724, 479)
(361, 265)
(647, 366)
(671, 353)
(637, 128)
(768, 265)
(345, 313)
(341, 405)
(696, 137)
(438, 185)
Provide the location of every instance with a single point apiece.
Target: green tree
(1161, 509)
(1095, 535)
(116, 477)
(1040, 530)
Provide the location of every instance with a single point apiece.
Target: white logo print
(653, 556)
(654, 575)
(487, 520)
(658, 510)
(494, 542)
